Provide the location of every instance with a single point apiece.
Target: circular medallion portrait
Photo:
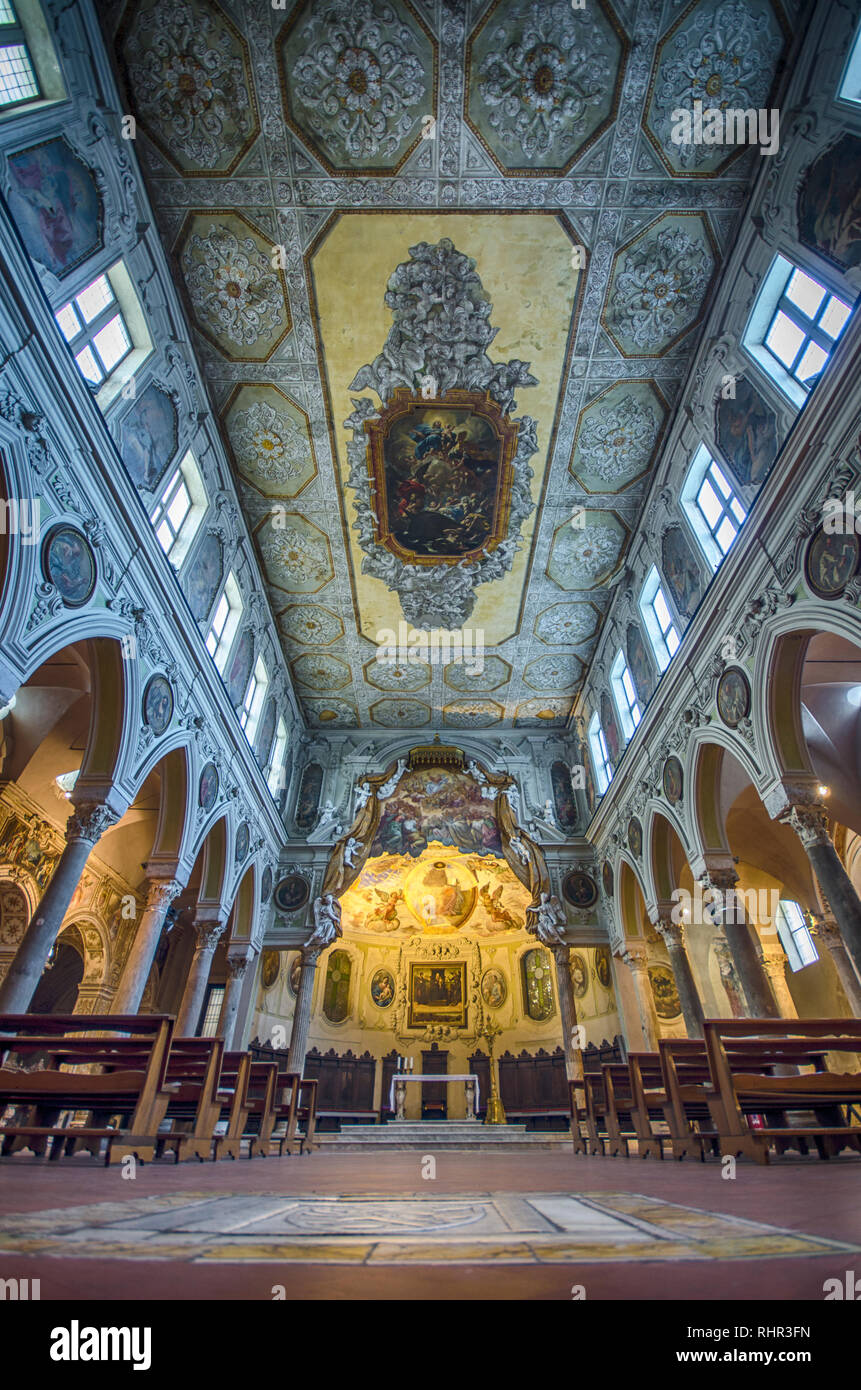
(69, 564)
(667, 1002)
(270, 968)
(295, 973)
(208, 788)
(635, 836)
(579, 889)
(242, 839)
(607, 878)
(494, 990)
(579, 974)
(383, 988)
(733, 696)
(672, 780)
(158, 704)
(266, 885)
(291, 893)
(831, 561)
(603, 969)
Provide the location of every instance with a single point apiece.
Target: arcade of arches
(449, 757)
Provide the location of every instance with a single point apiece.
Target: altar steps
(434, 1135)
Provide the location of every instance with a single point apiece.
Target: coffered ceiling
(480, 206)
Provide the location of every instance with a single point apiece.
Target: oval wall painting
(733, 697)
(831, 561)
(607, 878)
(158, 704)
(242, 840)
(266, 885)
(69, 564)
(383, 989)
(292, 893)
(208, 787)
(580, 889)
(635, 836)
(673, 779)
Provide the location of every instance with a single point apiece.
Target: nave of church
(430, 651)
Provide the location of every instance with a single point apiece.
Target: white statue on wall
(512, 796)
(519, 848)
(351, 849)
(327, 923)
(363, 796)
(388, 787)
(550, 922)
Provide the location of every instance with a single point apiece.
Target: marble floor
(527, 1225)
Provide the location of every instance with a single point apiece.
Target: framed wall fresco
(308, 797)
(680, 570)
(494, 989)
(157, 704)
(733, 696)
(69, 564)
(266, 733)
(635, 836)
(149, 437)
(437, 803)
(56, 205)
(204, 576)
(336, 994)
(639, 663)
(667, 1003)
(673, 779)
(294, 974)
(829, 204)
(563, 797)
(610, 725)
(537, 984)
(746, 433)
(437, 995)
(607, 878)
(207, 790)
(292, 893)
(238, 673)
(20, 845)
(270, 968)
(603, 967)
(831, 561)
(579, 889)
(579, 974)
(383, 989)
(266, 885)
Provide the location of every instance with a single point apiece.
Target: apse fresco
(436, 804)
(438, 894)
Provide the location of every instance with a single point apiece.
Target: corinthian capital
(810, 823)
(673, 933)
(161, 893)
(636, 958)
(207, 935)
(89, 821)
(723, 880)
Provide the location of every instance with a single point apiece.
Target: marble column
(302, 1011)
(744, 945)
(637, 960)
(160, 895)
(729, 976)
(774, 965)
(236, 968)
(673, 934)
(810, 825)
(827, 931)
(568, 1013)
(86, 824)
(208, 932)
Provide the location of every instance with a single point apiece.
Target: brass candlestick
(495, 1110)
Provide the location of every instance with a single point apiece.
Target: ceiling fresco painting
(445, 270)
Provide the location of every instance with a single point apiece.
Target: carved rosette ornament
(89, 821)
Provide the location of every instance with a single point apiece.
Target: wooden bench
(739, 1091)
(131, 1082)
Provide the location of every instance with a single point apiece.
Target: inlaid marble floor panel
(500, 1228)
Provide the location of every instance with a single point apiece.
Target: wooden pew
(250, 1114)
(131, 1083)
(740, 1091)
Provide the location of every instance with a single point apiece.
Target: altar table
(441, 1076)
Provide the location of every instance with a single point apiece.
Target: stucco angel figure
(351, 849)
(519, 848)
(512, 796)
(327, 923)
(550, 919)
(388, 787)
(363, 796)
